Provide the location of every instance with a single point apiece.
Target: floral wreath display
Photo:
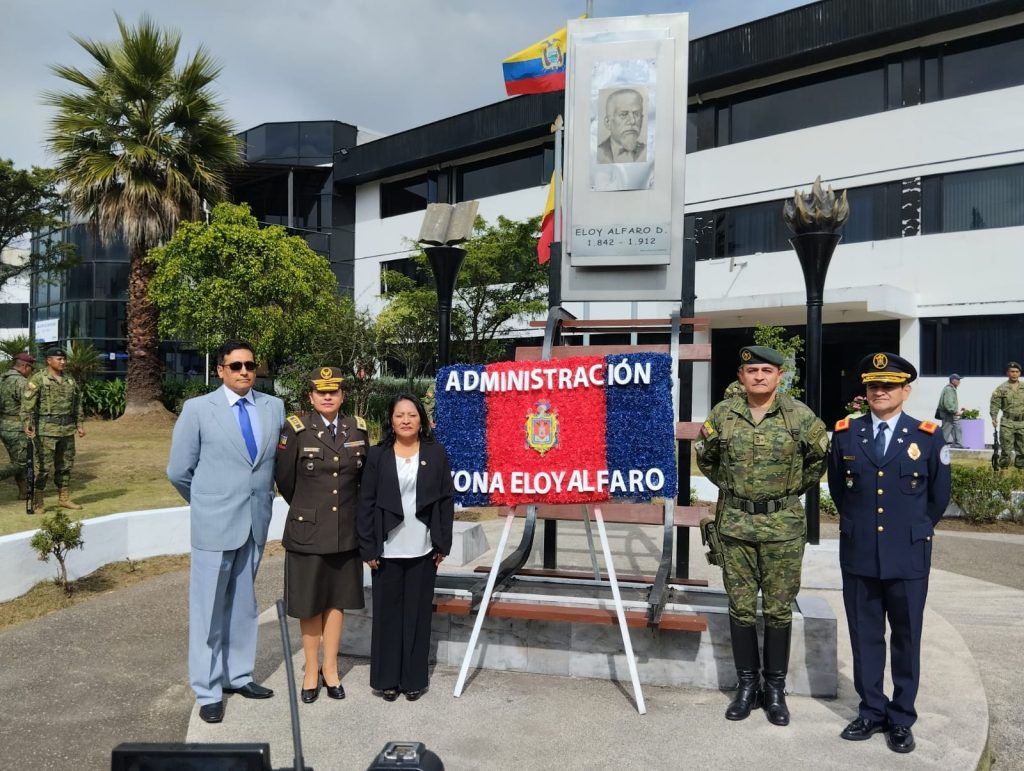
(580, 430)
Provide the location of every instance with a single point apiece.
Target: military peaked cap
(886, 368)
(761, 354)
(55, 350)
(326, 379)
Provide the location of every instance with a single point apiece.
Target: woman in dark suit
(405, 520)
(320, 459)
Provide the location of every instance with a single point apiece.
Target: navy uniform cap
(761, 354)
(326, 379)
(885, 367)
(55, 350)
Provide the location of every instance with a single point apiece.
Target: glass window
(406, 267)
(874, 213)
(78, 283)
(256, 144)
(403, 196)
(282, 141)
(111, 281)
(13, 315)
(997, 64)
(76, 319)
(977, 346)
(108, 320)
(504, 174)
(813, 103)
(316, 140)
(973, 200)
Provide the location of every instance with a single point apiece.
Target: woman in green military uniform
(763, 452)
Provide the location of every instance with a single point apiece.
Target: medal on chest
(914, 451)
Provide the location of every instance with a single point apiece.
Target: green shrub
(83, 361)
(984, 494)
(827, 506)
(173, 393)
(383, 389)
(58, 535)
(104, 398)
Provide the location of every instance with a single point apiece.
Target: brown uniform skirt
(314, 583)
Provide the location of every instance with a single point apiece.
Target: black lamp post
(814, 217)
(445, 261)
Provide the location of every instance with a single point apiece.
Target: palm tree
(140, 144)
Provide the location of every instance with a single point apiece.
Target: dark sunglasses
(236, 366)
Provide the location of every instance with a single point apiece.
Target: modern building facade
(916, 109)
(14, 296)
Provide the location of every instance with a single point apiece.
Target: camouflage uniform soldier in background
(1009, 398)
(763, 451)
(12, 386)
(51, 413)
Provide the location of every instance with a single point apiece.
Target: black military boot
(748, 676)
(776, 665)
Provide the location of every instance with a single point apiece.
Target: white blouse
(412, 537)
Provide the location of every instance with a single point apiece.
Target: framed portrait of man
(622, 125)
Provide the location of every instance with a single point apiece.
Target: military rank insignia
(360, 423)
(282, 442)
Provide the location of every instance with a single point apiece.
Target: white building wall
(14, 291)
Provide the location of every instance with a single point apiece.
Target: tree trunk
(144, 365)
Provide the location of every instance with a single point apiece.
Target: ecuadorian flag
(547, 225)
(538, 68)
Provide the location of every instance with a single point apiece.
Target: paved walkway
(75, 684)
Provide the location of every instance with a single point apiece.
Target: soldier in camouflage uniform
(763, 450)
(12, 386)
(1009, 399)
(51, 413)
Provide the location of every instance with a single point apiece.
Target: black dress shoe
(413, 695)
(900, 739)
(335, 691)
(251, 691)
(212, 713)
(862, 728)
(309, 695)
(389, 694)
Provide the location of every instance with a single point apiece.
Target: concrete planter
(973, 432)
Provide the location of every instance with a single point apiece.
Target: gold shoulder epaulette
(296, 423)
(360, 423)
(842, 425)
(928, 426)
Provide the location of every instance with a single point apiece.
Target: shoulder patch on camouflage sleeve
(360, 423)
(928, 426)
(842, 425)
(31, 386)
(707, 430)
(296, 423)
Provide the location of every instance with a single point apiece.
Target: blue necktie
(246, 424)
(880, 440)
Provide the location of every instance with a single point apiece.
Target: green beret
(55, 350)
(1013, 365)
(761, 354)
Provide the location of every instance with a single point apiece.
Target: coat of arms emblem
(552, 58)
(542, 428)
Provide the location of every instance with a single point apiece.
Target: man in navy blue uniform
(888, 474)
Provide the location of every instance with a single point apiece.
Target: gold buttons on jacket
(300, 519)
(915, 473)
(334, 508)
(336, 457)
(881, 510)
(335, 473)
(881, 529)
(881, 491)
(334, 492)
(881, 473)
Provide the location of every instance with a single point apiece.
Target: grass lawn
(119, 466)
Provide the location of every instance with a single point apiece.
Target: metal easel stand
(627, 643)
(481, 613)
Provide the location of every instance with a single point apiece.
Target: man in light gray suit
(222, 463)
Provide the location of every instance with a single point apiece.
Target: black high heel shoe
(335, 691)
(309, 695)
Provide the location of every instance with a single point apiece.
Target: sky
(383, 65)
